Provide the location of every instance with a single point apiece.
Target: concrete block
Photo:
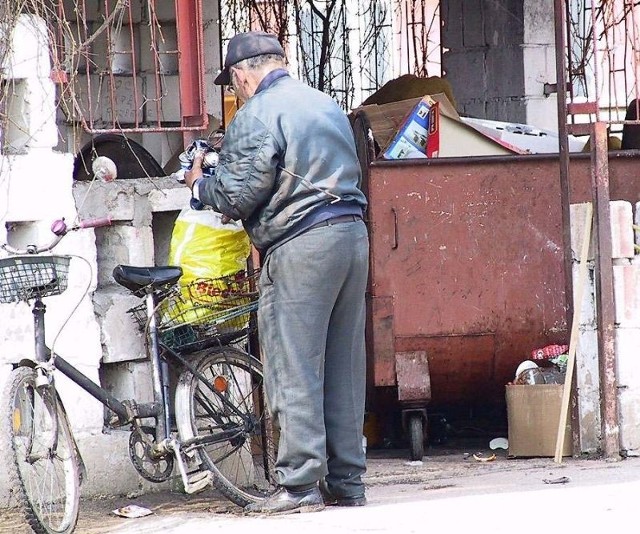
(82, 100)
(538, 22)
(28, 53)
(124, 57)
(626, 286)
(473, 24)
(162, 101)
(128, 380)
(539, 68)
(126, 245)
(165, 11)
(121, 337)
(79, 341)
(577, 214)
(86, 414)
(161, 55)
(587, 366)
(169, 199)
(542, 111)
(452, 20)
(48, 193)
(99, 199)
(507, 109)
(467, 73)
(502, 27)
(621, 229)
(74, 10)
(31, 112)
(588, 384)
(126, 105)
(137, 11)
(629, 410)
(212, 61)
(627, 341)
(505, 64)
(588, 306)
(589, 420)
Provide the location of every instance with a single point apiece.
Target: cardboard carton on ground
(533, 414)
(447, 134)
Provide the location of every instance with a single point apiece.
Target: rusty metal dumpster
(467, 272)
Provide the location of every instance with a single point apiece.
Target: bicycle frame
(127, 411)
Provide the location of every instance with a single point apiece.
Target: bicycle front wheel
(43, 469)
(222, 409)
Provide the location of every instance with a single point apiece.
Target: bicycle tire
(43, 469)
(243, 467)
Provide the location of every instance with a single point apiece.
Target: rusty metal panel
(381, 342)
(470, 247)
(412, 372)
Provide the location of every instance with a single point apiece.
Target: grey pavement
(443, 494)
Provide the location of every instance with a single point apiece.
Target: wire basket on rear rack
(205, 312)
(28, 277)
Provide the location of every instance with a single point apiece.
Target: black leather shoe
(332, 500)
(287, 501)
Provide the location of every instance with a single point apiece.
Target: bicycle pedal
(198, 482)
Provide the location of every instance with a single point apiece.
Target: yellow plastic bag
(205, 248)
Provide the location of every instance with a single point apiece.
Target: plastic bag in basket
(206, 249)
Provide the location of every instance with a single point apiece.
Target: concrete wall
(36, 187)
(498, 56)
(626, 278)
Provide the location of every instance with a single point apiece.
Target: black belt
(335, 220)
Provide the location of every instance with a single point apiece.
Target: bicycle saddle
(137, 279)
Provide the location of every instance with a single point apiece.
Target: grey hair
(257, 62)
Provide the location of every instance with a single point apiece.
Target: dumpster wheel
(417, 435)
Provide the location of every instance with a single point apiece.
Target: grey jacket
(288, 152)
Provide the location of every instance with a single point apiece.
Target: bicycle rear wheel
(42, 469)
(230, 400)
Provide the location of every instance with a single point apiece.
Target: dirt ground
(391, 477)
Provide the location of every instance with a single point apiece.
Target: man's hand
(195, 172)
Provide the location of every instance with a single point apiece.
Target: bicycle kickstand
(196, 481)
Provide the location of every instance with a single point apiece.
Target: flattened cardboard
(533, 414)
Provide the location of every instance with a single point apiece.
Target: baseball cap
(246, 45)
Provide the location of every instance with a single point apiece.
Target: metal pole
(565, 200)
(604, 292)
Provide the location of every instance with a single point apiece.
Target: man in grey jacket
(289, 170)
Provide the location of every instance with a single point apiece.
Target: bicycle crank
(149, 465)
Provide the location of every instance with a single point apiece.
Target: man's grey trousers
(311, 320)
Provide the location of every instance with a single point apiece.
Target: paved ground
(448, 492)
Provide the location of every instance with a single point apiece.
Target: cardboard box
(533, 414)
(419, 134)
(451, 136)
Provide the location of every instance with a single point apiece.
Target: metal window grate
(130, 65)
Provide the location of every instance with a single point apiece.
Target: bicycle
(221, 432)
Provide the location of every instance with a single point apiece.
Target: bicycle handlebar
(59, 228)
